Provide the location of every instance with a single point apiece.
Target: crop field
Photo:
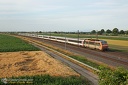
(38, 67)
(118, 44)
(33, 65)
(11, 44)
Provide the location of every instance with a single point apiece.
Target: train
(87, 43)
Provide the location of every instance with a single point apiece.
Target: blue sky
(63, 15)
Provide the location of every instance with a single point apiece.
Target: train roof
(74, 38)
(93, 39)
(96, 40)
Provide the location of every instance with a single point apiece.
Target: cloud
(25, 6)
(14, 1)
(63, 14)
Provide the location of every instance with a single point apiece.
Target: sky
(63, 15)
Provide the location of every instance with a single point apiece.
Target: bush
(118, 76)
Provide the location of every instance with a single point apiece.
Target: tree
(102, 31)
(99, 33)
(40, 31)
(93, 32)
(108, 31)
(115, 31)
(121, 31)
(126, 32)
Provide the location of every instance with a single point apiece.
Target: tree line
(115, 31)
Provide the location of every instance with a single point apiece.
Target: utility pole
(50, 35)
(78, 37)
(97, 34)
(65, 41)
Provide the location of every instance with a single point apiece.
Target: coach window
(98, 44)
(92, 43)
(104, 42)
(85, 42)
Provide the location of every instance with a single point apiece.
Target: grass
(47, 80)
(11, 44)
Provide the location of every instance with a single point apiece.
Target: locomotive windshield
(104, 42)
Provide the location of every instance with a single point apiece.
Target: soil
(32, 63)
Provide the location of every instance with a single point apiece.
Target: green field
(11, 44)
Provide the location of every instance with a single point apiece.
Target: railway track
(93, 78)
(102, 57)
